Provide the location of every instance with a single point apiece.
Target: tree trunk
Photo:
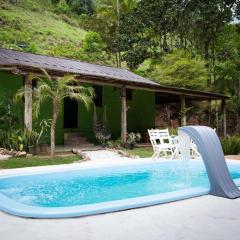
(28, 104)
(209, 112)
(53, 126)
(224, 111)
(165, 44)
(238, 107)
(216, 115)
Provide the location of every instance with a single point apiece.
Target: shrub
(231, 145)
(93, 48)
(62, 7)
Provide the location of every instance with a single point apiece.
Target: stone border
(13, 153)
(123, 153)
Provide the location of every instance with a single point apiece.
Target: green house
(129, 99)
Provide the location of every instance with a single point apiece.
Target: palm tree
(57, 90)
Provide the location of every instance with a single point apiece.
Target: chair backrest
(159, 136)
(163, 132)
(153, 136)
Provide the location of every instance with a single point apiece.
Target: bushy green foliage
(177, 69)
(227, 68)
(8, 124)
(231, 145)
(154, 33)
(81, 7)
(93, 48)
(62, 7)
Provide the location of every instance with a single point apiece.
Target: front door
(70, 119)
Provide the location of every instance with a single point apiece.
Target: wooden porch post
(224, 121)
(28, 104)
(183, 115)
(216, 115)
(123, 115)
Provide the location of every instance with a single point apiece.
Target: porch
(130, 99)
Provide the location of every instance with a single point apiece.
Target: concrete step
(85, 147)
(74, 139)
(72, 134)
(75, 143)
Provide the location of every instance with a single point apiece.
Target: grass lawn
(36, 161)
(142, 152)
(34, 24)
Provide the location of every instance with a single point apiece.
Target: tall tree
(158, 26)
(227, 69)
(106, 21)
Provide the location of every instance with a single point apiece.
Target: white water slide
(210, 148)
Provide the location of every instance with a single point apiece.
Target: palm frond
(82, 98)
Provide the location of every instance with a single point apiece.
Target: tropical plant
(44, 125)
(8, 124)
(57, 90)
(231, 145)
(30, 139)
(100, 127)
(114, 143)
(133, 138)
(173, 131)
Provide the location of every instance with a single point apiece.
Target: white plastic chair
(193, 149)
(162, 142)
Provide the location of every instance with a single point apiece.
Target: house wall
(9, 84)
(140, 116)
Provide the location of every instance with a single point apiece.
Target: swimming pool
(81, 192)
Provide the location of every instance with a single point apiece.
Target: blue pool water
(87, 187)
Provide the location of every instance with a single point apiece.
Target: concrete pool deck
(200, 218)
(205, 217)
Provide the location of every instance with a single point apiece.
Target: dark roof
(10, 59)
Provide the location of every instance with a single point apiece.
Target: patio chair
(162, 142)
(193, 149)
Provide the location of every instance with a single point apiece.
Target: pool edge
(18, 209)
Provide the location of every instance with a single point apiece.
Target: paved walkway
(202, 218)
(107, 156)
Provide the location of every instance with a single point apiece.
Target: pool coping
(13, 207)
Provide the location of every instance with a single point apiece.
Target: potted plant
(101, 130)
(132, 139)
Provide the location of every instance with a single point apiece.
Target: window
(98, 95)
(129, 94)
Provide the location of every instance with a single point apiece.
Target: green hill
(33, 26)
